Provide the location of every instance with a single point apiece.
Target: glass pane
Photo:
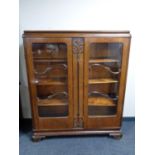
(104, 72)
(51, 75)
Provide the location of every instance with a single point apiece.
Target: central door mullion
(78, 81)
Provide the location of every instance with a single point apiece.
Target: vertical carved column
(78, 47)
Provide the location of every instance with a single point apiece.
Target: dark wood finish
(46, 34)
(102, 122)
(116, 133)
(39, 123)
(78, 48)
(76, 81)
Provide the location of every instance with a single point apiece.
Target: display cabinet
(76, 81)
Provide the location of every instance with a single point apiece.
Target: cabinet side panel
(32, 92)
(123, 78)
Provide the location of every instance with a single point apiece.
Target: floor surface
(80, 145)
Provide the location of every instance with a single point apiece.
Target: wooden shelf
(102, 60)
(52, 102)
(51, 82)
(104, 80)
(42, 60)
(100, 101)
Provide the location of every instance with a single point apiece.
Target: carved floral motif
(78, 45)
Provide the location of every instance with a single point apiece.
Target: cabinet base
(39, 135)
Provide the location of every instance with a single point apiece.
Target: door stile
(78, 81)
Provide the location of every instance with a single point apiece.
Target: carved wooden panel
(78, 44)
(78, 48)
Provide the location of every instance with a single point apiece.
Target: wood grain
(100, 101)
(95, 81)
(79, 113)
(102, 60)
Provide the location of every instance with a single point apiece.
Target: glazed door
(104, 81)
(49, 62)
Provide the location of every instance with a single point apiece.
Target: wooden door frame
(46, 123)
(111, 121)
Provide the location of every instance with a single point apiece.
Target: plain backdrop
(78, 15)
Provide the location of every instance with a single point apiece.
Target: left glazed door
(49, 64)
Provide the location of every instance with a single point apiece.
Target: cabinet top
(58, 33)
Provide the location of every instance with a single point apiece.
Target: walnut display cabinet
(76, 81)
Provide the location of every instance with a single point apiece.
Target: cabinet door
(49, 63)
(105, 70)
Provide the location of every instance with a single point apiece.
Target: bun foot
(117, 135)
(36, 138)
